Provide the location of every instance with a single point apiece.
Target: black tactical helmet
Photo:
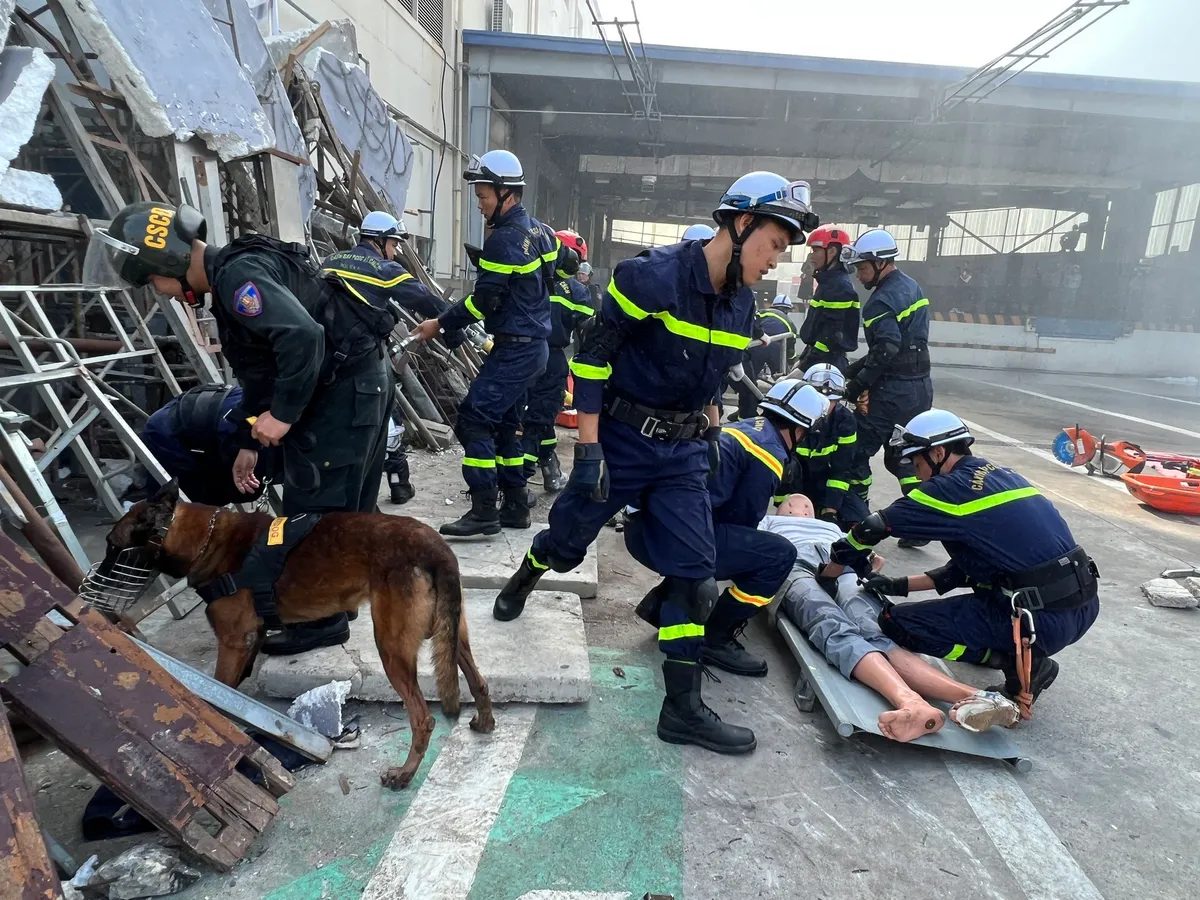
(145, 239)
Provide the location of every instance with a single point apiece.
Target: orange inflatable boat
(1169, 495)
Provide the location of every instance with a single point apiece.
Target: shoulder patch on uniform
(247, 300)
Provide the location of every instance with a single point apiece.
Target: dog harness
(263, 566)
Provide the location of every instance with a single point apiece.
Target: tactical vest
(355, 329)
(195, 416)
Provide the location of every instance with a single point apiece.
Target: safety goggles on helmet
(827, 379)
(790, 204)
(106, 260)
(479, 171)
(796, 402)
(910, 444)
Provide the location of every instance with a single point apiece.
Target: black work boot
(1041, 675)
(651, 606)
(910, 543)
(510, 602)
(721, 645)
(553, 479)
(402, 489)
(514, 510)
(686, 720)
(299, 637)
(482, 518)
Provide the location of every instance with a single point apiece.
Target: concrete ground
(584, 801)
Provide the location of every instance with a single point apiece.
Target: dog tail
(447, 612)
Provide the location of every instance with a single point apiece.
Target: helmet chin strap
(502, 195)
(877, 266)
(733, 271)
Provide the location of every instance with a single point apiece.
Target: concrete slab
(539, 658)
(487, 562)
(1169, 593)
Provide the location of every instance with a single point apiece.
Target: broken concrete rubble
(147, 870)
(29, 190)
(321, 708)
(25, 73)
(1169, 593)
(339, 38)
(167, 95)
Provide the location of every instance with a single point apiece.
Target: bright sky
(1146, 39)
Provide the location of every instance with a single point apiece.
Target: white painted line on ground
(436, 850)
(1042, 454)
(1105, 387)
(1030, 848)
(573, 895)
(1095, 409)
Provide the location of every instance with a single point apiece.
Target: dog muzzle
(116, 587)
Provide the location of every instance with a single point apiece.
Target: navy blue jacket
(897, 312)
(570, 307)
(752, 459)
(990, 520)
(832, 320)
(827, 457)
(369, 276)
(678, 337)
(512, 292)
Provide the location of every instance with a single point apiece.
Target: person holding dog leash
(675, 319)
(308, 355)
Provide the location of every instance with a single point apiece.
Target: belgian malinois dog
(404, 568)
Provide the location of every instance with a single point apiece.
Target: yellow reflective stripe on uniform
(762, 455)
(822, 451)
(473, 463)
(593, 373)
(774, 315)
(848, 438)
(578, 307)
(514, 268)
(912, 309)
(974, 506)
(867, 323)
(911, 479)
(510, 460)
(533, 561)
(749, 599)
(824, 348)
(550, 442)
(367, 279)
(959, 650)
(469, 303)
(779, 498)
(855, 544)
(529, 457)
(675, 632)
(837, 485)
(834, 304)
(676, 325)
(866, 480)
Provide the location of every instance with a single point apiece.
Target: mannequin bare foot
(910, 721)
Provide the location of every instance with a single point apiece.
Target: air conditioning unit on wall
(501, 16)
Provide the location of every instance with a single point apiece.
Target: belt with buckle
(657, 424)
(500, 340)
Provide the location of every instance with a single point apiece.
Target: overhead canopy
(1057, 141)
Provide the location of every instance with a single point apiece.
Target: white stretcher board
(854, 707)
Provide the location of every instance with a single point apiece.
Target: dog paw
(485, 725)
(396, 778)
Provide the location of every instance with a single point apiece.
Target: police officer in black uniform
(372, 273)
(309, 357)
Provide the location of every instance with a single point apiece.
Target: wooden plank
(27, 593)
(26, 870)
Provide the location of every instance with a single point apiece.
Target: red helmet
(829, 234)
(573, 240)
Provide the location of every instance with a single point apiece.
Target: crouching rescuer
(1033, 591)
(674, 320)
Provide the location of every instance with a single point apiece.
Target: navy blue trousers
(543, 406)
(893, 401)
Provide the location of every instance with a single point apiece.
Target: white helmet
(874, 245)
(496, 167)
(929, 429)
(828, 379)
(768, 194)
(382, 225)
(782, 300)
(698, 233)
(795, 401)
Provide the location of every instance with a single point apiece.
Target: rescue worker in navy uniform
(512, 298)
(830, 329)
(895, 370)
(372, 273)
(826, 455)
(754, 454)
(1006, 542)
(570, 307)
(309, 358)
(646, 383)
(195, 438)
(771, 357)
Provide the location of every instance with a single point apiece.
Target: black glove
(854, 390)
(828, 515)
(828, 584)
(590, 473)
(712, 436)
(892, 587)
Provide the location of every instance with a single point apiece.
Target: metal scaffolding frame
(641, 73)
